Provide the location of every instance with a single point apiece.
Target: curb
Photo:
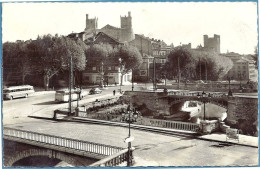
(220, 141)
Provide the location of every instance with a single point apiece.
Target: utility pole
(102, 75)
(206, 71)
(200, 68)
(70, 85)
(179, 73)
(132, 80)
(154, 75)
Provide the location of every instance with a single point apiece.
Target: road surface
(152, 149)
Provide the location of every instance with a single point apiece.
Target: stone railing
(96, 148)
(194, 94)
(112, 160)
(170, 124)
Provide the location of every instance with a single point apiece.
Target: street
(152, 149)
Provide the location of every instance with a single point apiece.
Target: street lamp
(154, 75)
(78, 91)
(130, 116)
(229, 89)
(132, 79)
(240, 76)
(120, 61)
(203, 97)
(102, 75)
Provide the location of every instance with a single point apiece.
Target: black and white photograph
(130, 84)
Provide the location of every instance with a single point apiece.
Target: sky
(172, 22)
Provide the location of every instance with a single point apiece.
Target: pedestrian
(114, 92)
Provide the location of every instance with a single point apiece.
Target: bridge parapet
(83, 147)
(112, 160)
(196, 93)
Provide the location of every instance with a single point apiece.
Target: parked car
(95, 91)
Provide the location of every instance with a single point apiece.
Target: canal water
(23, 155)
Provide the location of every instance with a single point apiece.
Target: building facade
(243, 69)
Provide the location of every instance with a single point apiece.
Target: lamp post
(179, 78)
(130, 116)
(120, 61)
(70, 86)
(154, 75)
(132, 79)
(78, 91)
(203, 97)
(102, 75)
(229, 89)
(240, 81)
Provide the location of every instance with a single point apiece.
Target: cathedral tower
(126, 28)
(91, 24)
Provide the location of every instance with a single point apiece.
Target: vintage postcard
(137, 84)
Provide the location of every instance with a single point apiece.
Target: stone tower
(212, 43)
(91, 24)
(126, 28)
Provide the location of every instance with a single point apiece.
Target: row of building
(152, 50)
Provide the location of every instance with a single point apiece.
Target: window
(109, 68)
(94, 68)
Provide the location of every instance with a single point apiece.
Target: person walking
(114, 92)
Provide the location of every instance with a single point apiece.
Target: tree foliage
(182, 57)
(196, 64)
(47, 55)
(99, 53)
(17, 51)
(255, 57)
(129, 58)
(210, 65)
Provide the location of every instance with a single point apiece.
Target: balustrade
(112, 160)
(61, 141)
(172, 124)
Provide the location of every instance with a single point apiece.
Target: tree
(98, 54)
(17, 52)
(129, 58)
(255, 57)
(210, 65)
(76, 49)
(51, 54)
(180, 63)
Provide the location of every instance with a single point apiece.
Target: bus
(63, 95)
(12, 92)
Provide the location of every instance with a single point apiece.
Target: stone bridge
(242, 112)
(14, 152)
(55, 147)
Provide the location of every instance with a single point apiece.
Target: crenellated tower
(91, 24)
(126, 28)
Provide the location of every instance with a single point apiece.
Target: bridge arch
(9, 162)
(221, 103)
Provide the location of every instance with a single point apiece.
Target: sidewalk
(244, 140)
(42, 93)
(221, 137)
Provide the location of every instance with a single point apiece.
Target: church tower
(126, 28)
(91, 24)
